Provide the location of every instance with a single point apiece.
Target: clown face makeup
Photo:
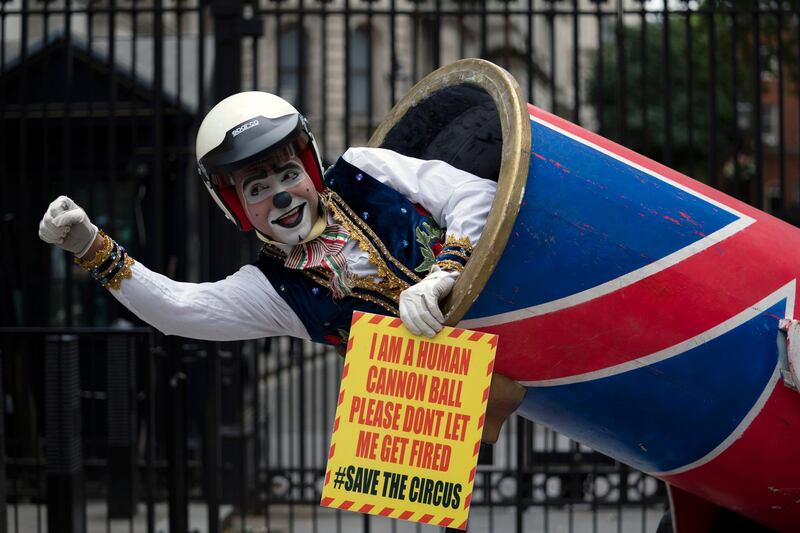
(279, 199)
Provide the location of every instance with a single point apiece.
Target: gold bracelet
(451, 265)
(112, 266)
(124, 273)
(456, 252)
(101, 254)
(461, 242)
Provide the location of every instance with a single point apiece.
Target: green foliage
(427, 235)
(708, 69)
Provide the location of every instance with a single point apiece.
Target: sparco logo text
(244, 127)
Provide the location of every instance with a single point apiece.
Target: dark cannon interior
(457, 124)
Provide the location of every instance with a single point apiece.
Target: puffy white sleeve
(457, 200)
(242, 306)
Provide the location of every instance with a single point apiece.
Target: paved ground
(24, 518)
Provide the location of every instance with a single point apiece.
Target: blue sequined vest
(399, 239)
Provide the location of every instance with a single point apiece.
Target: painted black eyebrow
(262, 173)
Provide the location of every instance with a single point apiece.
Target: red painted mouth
(292, 218)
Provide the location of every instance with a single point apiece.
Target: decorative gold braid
(462, 241)
(377, 301)
(372, 245)
(448, 264)
(273, 251)
(101, 254)
(323, 280)
(374, 286)
(124, 273)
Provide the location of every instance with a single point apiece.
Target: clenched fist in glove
(419, 304)
(68, 226)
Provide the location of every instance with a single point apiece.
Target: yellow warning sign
(408, 423)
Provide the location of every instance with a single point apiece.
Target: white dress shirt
(245, 305)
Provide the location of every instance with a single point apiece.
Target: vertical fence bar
(734, 102)
(484, 29)
(66, 143)
(690, 87)
(323, 52)
(212, 448)
(205, 221)
(176, 443)
(268, 345)
(301, 102)
(757, 109)
(781, 124)
(644, 97)
(244, 436)
(394, 62)
(551, 34)
(531, 64)
(600, 64)
(347, 95)
(121, 416)
(437, 39)
(111, 130)
(65, 496)
(150, 457)
(255, 400)
(522, 447)
(666, 68)
(370, 103)
(158, 133)
(3, 490)
(22, 132)
(91, 156)
(712, 96)
(316, 451)
(621, 89)
(134, 110)
(254, 64)
(576, 70)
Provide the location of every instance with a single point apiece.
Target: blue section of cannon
(588, 218)
(671, 413)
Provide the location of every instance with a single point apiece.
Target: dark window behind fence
(108, 428)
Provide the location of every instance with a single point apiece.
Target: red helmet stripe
(228, 195)
(310, 163)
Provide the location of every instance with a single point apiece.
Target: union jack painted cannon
(641, 309)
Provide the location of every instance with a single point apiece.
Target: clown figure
(377, 232)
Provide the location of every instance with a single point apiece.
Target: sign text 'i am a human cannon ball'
(408, 423)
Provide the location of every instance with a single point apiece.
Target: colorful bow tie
(325, 251)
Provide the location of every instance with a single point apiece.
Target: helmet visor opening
(268, 159)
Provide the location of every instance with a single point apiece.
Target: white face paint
(281, 201)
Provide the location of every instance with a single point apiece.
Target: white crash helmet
(246, 127)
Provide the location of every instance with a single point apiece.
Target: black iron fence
(100, 100)
(113, 429)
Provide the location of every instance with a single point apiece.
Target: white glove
(68, 226)
(419, 304)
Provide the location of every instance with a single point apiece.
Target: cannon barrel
(640, 308)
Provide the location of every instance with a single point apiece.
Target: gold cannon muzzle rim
(513, 175)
